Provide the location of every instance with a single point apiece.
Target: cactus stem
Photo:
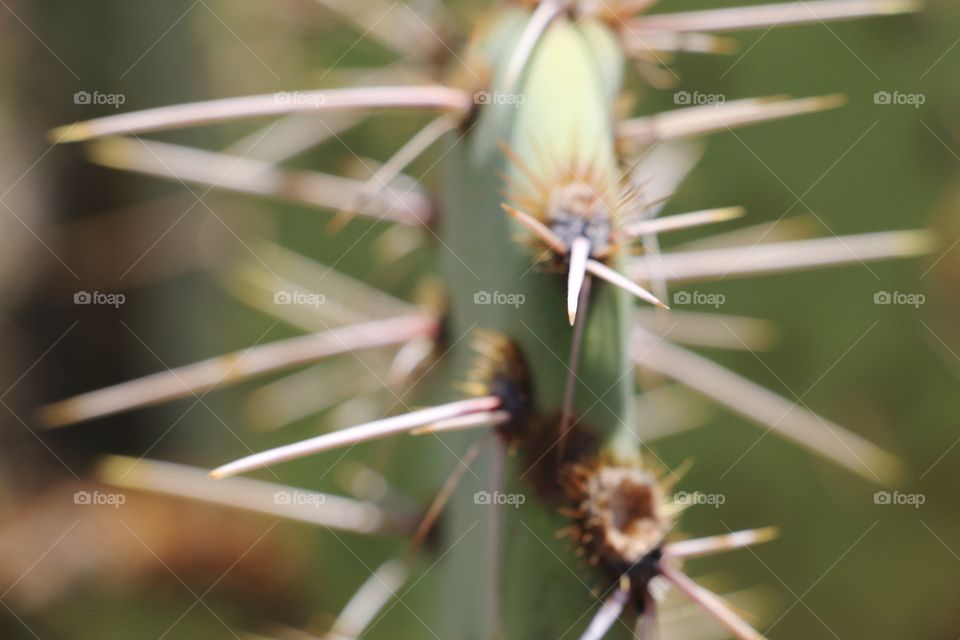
(545, 13)
(576, 343)
(443, 496)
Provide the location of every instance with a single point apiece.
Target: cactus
(548, 190)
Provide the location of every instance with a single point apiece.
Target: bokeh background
(845, 566)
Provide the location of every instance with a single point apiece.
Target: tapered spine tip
(820, 103)
(894, 7)
(916, 242)
(68, 133)
(731, 213)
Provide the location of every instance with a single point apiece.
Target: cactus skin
(565, 119)
(566, 114)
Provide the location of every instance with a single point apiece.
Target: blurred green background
(845, 567)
